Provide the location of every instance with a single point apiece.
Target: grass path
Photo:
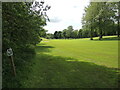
(79, 63)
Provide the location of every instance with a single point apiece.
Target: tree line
(100, 19)
(22, 27)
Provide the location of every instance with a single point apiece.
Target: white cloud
(64, 13)
(55, 20)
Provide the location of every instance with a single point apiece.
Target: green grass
(75, 63)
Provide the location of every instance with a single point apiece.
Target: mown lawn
(75, 63)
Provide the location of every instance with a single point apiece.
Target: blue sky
(64, 13)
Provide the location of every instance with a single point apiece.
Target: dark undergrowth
(23, 60)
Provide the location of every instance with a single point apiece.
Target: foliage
(22, 28)
(49, 36)
(66, 33)
(100, 17)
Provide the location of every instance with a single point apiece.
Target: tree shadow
(108, 39)
(43, 48)
(42, 44)
(66, 72)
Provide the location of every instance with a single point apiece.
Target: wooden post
(13, 65)
(10, 55)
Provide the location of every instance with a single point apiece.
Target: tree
(49, 36)
(69, 31)
(100, 16)
(116, 9)
(75, 34)
(64, 32)
(80, 33)
(118, 18)
(21, 31)
(56, 35)
(89, 18)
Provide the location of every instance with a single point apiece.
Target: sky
(64, 13)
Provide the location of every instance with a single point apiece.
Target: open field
(75, 63)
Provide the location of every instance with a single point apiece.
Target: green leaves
(21, 29)
(100, 16)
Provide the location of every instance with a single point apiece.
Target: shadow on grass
(42, 43)
(65, 72)
(108, 39)
(43, 48)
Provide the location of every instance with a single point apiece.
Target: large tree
(98, 16)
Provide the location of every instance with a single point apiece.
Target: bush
(22, 58)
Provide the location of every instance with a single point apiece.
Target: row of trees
(102, 18)
(70, 33)
(22, 27)
(81, 33)
(21, 24)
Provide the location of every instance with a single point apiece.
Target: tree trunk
(100, 30)
(91, 34)
(13, 65)
(100, 37)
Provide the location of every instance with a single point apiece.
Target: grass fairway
(75, 63)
